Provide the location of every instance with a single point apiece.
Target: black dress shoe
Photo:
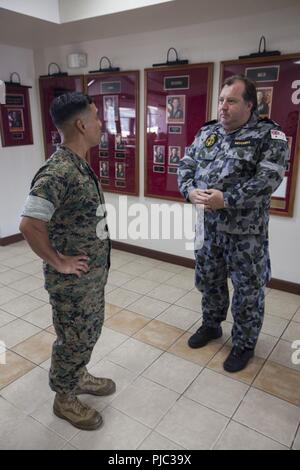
(237, 359)
(203, 335)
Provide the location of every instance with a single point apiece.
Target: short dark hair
(249, 94)
(66, 106)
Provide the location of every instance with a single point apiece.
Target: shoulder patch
(278, 135)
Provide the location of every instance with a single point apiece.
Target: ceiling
(25, 31)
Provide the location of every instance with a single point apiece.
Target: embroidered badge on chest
(211, 140)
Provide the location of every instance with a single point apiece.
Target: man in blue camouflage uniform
(232, 168)
(64, 222)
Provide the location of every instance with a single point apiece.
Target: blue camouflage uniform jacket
(247, 165)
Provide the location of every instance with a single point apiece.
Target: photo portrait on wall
(174, 155)
(120, 171)
(158, 154)
(175, 109)
(110, 108)
(15, 120)
(104, 169)
(264, 101)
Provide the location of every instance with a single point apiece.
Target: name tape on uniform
(278, 135)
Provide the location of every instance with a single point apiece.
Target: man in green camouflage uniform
(232, 168)
(64, 222)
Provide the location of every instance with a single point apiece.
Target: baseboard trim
(286, 286)
(11, 239)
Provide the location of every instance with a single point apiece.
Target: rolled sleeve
(38, 208)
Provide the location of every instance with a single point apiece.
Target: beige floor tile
(27, 284)
(167, 293)
(283, 354)
(173, 268)
(126, 322)
(191, 425)
(34, 267)
(296, 444)
(41, 317)
(226, 396)
(122, 297)
(280, 381)
(5, 318)
(296, 317)
(159, 334)
(246, 375)
(7, 294)
(22, 305)
(15, 367)
(51, 330)
(199, 356)
(148, 307)
(180, 317)
(156, 441)
(134, 268)
(134, 355)
(15, 261)
(183, 281)
(40, 294)
(239, 437)
(30, 391)
(117, 278)
(141, 286)
(3, 268)
(292, 333)
(284, 306)
(36, 349)
(172, 372)
(21, 432)
(10, 276)
(191, 300)
(120, 432)
(145, 401)
(109, 288)
(269, 415)
(108, 341)
(111, 310)
(157, 275)
(17, 331)
(274, 326)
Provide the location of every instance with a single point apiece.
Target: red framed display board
(177, 104)
(277, 80)
(15, 117)
(116, 159)
(50, 88)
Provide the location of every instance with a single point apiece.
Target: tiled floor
(168, 396)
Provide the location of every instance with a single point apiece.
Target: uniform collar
(252, 122)
(81, 164)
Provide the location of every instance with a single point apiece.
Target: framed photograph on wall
(117, 99)
(50, 88)
(278, 95)
(15, 116)
(177, 104)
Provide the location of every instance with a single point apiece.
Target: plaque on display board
(15, 117)
(50, 88)
(116, 159)
(277, 81)
(177, 104)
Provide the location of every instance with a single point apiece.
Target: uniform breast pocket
(206, 155)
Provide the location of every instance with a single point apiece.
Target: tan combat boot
(94, 385)
(68, 407)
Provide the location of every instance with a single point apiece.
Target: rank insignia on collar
(211, 140)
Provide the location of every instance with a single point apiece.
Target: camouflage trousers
(245, 259)
(78, 315)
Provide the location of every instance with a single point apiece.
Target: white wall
(18, 164)
(214, 41)
(73, 10)
(43, 9)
